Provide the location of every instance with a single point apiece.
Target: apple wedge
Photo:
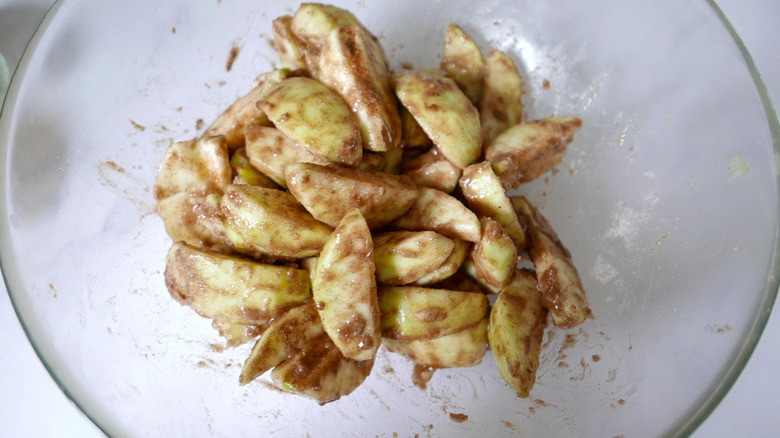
(559, 282)
(410, 313)
(287, 334)
(495, 255)
(525, 151)
(312, 23)
(501, 105)
(431, 169)
(449, 267)
(516, 330)
(344, 289)
(486, 197)
(290, 48)
(271, 222)
(232, 289)
(437, 211)
(464, 348)
(403, 257)
(189, 173)
(244, 111)
(271, 151)
(316, 118)
(330, 192)
(443, 111)
(463, 61)
(321, 372)
(352, 63)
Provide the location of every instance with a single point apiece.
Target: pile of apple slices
(339, 206)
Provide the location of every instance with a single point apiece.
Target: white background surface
(31, 404)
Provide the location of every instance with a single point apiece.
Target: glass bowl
(667, 199)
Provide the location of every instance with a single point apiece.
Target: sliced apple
(525, 151)
(232, 289)
(321, 372)
(270, 221)
(286, 335)
(190, 172)
(271, 151)
(290, 48)
(486, 197)
(495, 255)
(352, 63)
(431, 169)
(344, 289)
(244, 111)
(330, 192)
(464, 348)
(516, 330)
(559, 282)
(411, 312)
(315, 117)
(437, 211)
(312, 23)
(463, 61)
(403, 257)
(501, 105)
(443, 111)
(449, 267)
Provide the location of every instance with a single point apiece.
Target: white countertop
(31, 404)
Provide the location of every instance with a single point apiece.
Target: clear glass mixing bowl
(668, 200)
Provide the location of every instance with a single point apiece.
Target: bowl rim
(698, 416)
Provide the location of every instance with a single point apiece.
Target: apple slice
(315, 117)
(189, 174)
(525, 151)
(321, 372)
(312, 23)
(437, 211)
(344, 289)
(271, 151)
(463, 61)
(464, 348)
(352, 63)
(403, 257)
(432, 170)
(290, 48)
(260, 221)
(449, 267)
(443, 111)
(501, 105)
(330, 192)
(409, 313)
(486, 197)
(495, 255)
(232, 289)
(559, 282)
(287, 334)
(244, 111)
(516, 331)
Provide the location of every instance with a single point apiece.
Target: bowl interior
(667, 200)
